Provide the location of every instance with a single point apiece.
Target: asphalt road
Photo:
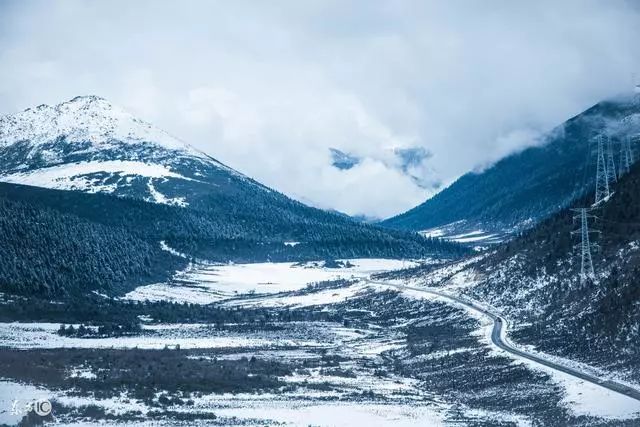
(498, 333)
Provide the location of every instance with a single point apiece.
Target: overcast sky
(269, 86)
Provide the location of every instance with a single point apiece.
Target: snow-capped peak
(88, 144)
(82, 119)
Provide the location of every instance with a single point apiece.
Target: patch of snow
(82, 119)
(77, 176)
(44, 335)
(518, 420)
(452, 232)
(323, 297)
(447, 272)
(100, 294)
(300, 412)
(158, 197)
(203, 284)
(167, 248)
(433, 232)
(473, 237)
(21, 394)
(82, 373)
(586, 398)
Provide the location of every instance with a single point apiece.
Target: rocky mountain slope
(524, 188)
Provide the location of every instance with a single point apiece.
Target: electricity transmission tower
(602, 183)
(586, 264)
(611, 166)
(625, 157)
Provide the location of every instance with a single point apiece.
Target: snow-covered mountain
(88, 144)
(520, 190)
(152, 191)
(84, 118)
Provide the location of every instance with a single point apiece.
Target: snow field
(206, 284)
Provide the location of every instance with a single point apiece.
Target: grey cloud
(269, 87)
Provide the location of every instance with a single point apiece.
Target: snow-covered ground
(44, 335)
(454, 232)
(203, 284)
(82, 119)
(321, 297)
(581, 397)
(348, 414)
(451, 274)
(265, 409)
(278, 285)
(90, 176)
(14, 397)
(302, 336)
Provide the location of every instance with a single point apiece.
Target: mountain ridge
(79, 169)
(73, 145)
(523, 188)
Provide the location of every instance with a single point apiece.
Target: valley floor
(314, 346)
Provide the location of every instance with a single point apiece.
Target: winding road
(498, 337)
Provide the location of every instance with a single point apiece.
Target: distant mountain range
(524, 188)
(159, 204)
(409, 161)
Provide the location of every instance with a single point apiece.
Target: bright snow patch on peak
(79, 176)
(82, 119)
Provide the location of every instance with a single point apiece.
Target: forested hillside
(536, 278)
(57, 241)
(133, 188)
(46, 252)
(526, 187)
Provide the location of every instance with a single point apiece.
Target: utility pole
(586, 262)
(602, 183)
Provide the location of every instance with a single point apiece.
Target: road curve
(498, 335)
